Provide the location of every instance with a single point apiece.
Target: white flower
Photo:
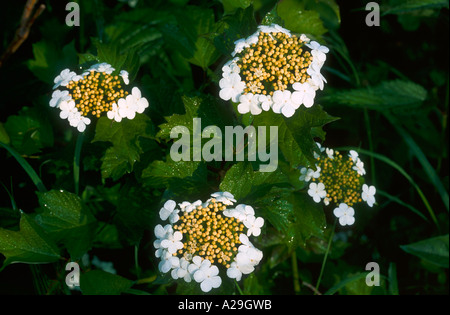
(304, 94)
(239, 46)
(249, 103)
(234, 271)
(345, 214)
(173, 242)
(318, 52)
(124, 74)
(306, 174)
(161, 234)
(187, 207)
(168, 211)
(230, 67)
(241, 212)
(231, 87)
(140, 102)
(304, 38)
(114, 113)
(280, 29)
(317, 191)
(58, 97)
(181, 271)
(248, 260)
(195, 265)
(317, 79)
(267, 29)
(326, 201)
(102, 67)
(320, 149)
(266, 102)
(168, 263)
(207, 276)
(79, 121)
(252, 39)
(68, 109)
(359, 167)
(368, 194)
(253, 225)
(282, 103)
(246, 244)
(64, 78)
(127, 107)
(353, 155)
(330, 153)
(224, 197)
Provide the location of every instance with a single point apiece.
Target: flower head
(368, 194)
(345, 214)
(269, 63)
(95, 92)
(203, 236)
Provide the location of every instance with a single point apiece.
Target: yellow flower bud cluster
(96, 92)
(342, 183)
(275, 62)
(209, 234)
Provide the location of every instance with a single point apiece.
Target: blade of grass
(401, 171)
(76, 162)
(27, 167)
(429, 170)
(404, 204)
(325, 257)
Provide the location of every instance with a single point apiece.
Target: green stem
(136, 260)
(369, 135)
(326, 256)
(27, 167)
(296, 277)
(76, 162)
(239, 288)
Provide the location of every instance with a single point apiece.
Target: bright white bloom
(368, 194)
(231, 87)
(181, 271)
(169, 211)
(140, 102)
(253, 225)
(326, 201)
(330, 153)
(230, 67)
(68, 109)
(353, 155)
(64, 78)
(317, 191)
(186, 206)
(318, 52)
(102, 67)
(127, 107)
(266, 102)
(58, 97)
(317, 79)
(161, 234)
(195, 265)
(240, 212)
(320, 149)
(249, 103)
(267, 28)
(224, 197)
(207, 276)
(282, 103)
(304, 38)
(80, 122)
(234, 271)
(239, 46)
(124, 74)
(359, 167)
(173, 242)
(114, 113)
(345, 214)
(168, 263)
(304, 94)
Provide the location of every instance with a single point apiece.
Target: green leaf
(399, 7)
(4, 137)
(295, 134)
(64, 218)
(238, 180)
(28, 245)
(98, 282)
(49, 60)
(124, 136)
(388, 95)
(300, 20)
(434, 250)
(29, 131)
(231, 6)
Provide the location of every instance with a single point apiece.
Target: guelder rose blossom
(203, 236)
(251, 79)
(94, 93)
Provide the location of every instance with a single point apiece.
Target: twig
(23, 31)
(311, 287)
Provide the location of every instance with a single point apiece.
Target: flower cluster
(273, 69)
(202, 237)
(338, 179)
(96, 91)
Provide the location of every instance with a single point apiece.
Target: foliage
(65, 195)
